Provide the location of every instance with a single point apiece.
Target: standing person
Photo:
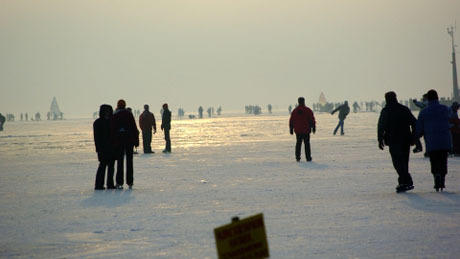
(166, 127)
(302, 122)
(2, 121)
(433, 124)
(344, 110)
(104, 149)
(200, 112)
(146, 123)
(396, 129)
(125, 136)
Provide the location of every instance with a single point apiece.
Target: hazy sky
(220, 52)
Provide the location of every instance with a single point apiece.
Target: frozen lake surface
(342, 205)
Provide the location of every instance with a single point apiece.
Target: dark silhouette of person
(433, 125)
(396, 129)
(356, 107)
(146, 123)
(269, 107)
(290, 109)
(26, 116)
(200, 112)
(166, 127)
(344, 110)
(104, 148)
(125, 136)
(2, 121)
(302, 122)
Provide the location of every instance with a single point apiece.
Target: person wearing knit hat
(125, 136)
(166, 127)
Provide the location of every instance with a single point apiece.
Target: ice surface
(342, 205)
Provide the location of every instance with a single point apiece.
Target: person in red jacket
(302, 122)
(146, 123)
(125, 136)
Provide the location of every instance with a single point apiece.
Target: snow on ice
(342, 205)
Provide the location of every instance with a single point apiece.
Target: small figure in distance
(104, 149)
(302, 122)
(166, 127)
(344, 110)
(396, 129)
(433, 125)
(200, 112)
(2, 121)
(125, 136)
(146, 123)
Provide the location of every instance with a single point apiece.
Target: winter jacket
(344, 110)
(101, 131)
(433, 124)
(123, 129)
(396, 125)
(302, 120)
(166, 120)
(147, 121)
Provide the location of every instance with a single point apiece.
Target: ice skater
(104, 149)
(302, 122)
(433, 125)
(344, 110)
(125, 136)
(396, 129)
(454, 123)
(146, 123)
(166, 127)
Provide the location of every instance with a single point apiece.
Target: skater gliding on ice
(433, 125)
(302, 122)
(104, 149)
(396, 129)
(344, 110)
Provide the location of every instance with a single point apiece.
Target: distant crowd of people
(115, 136)
(398, 129)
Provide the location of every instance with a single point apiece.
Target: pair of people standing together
(398, 129)
(147, 123)
(115, 136)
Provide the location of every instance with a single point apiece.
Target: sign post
(244, 238)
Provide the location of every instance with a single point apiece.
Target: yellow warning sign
(244, 238)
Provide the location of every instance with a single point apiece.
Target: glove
(161, 127)
(314, 130)
(381, 145)
(291, 131)
(155, 131)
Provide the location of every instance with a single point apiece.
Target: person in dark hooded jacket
(2, 121)
(344, 110)
(125, 136)
(302, 122)
(104, 149)
(396, 129)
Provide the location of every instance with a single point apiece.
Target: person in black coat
(125, 136)
(344, 110)
(2, 121)
(104, 149)
(396, 129)
(166, 127)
